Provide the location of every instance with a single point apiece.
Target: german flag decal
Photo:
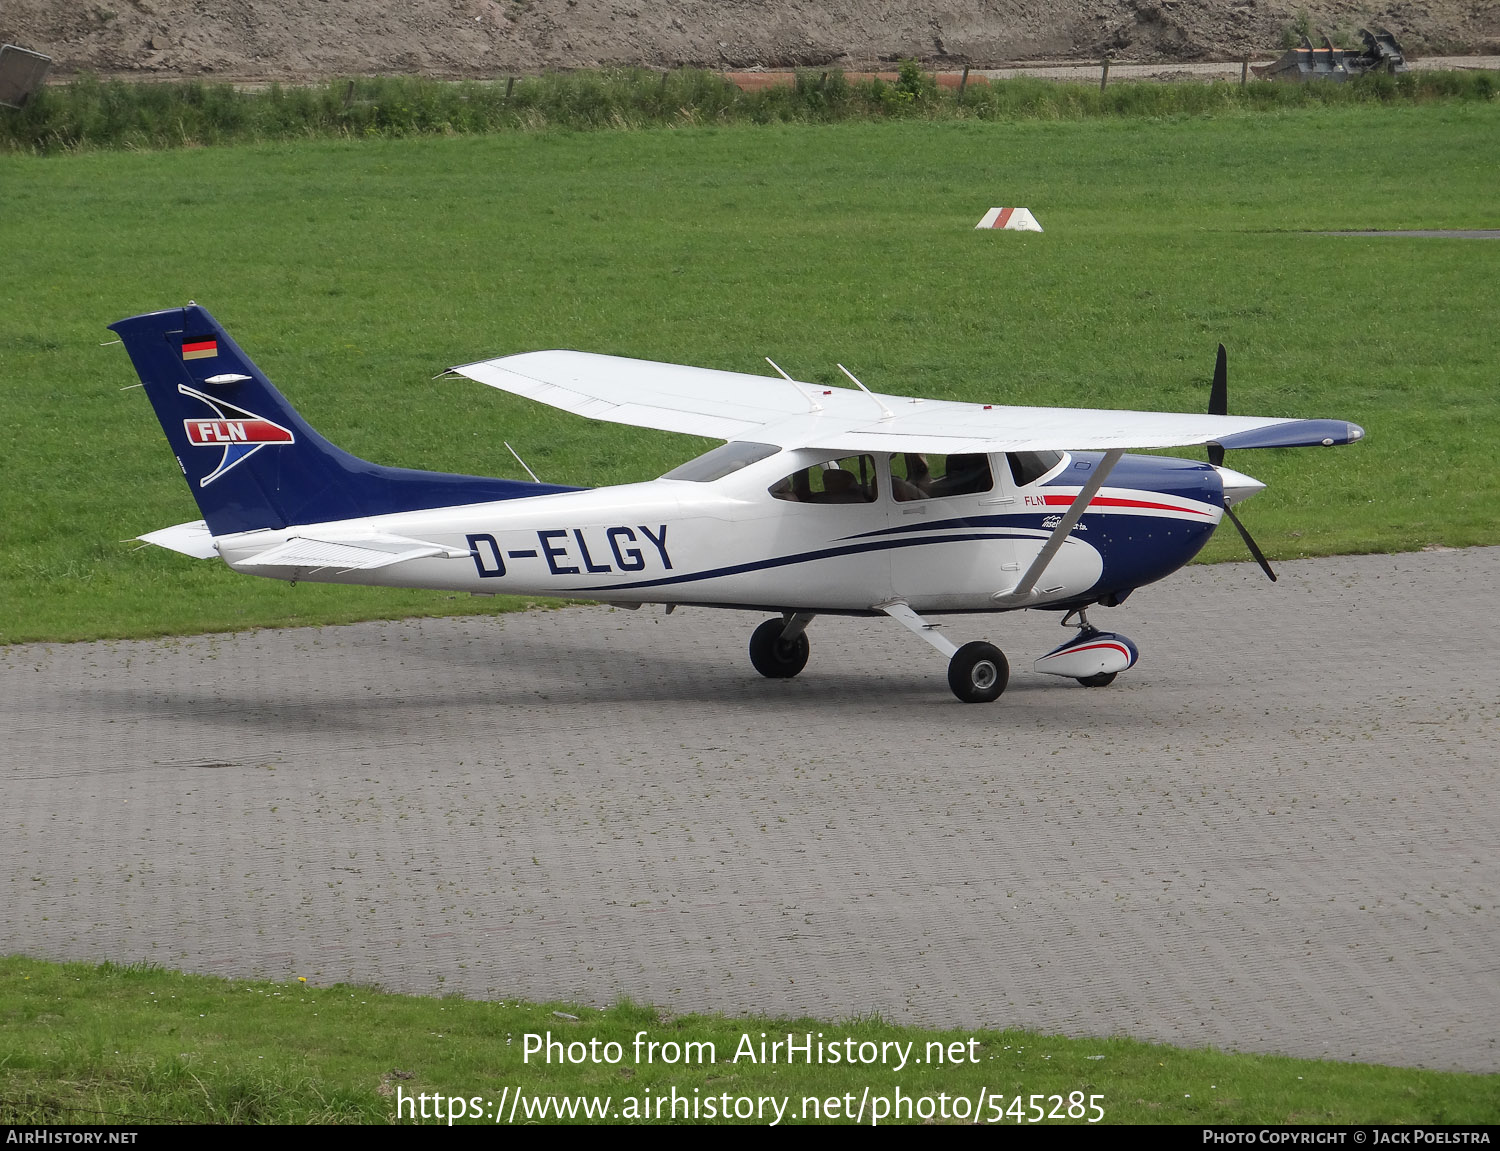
(200, 348)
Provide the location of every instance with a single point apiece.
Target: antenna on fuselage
(520, 461)
(812, 401)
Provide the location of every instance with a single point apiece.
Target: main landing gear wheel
(774, 657)
(978, 673)
(1103, 679)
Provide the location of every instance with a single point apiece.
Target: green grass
(354, 270)
(85, 1044)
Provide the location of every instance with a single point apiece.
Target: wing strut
(1022, 592)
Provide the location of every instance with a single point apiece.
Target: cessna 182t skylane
(836, 501)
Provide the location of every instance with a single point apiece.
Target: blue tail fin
(250, 459)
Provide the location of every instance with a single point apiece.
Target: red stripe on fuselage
(1118, 502)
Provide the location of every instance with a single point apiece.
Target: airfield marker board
(1009, 219)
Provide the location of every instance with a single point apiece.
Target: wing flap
(1085, 429)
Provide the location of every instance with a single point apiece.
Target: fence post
(1244, 71)
(1104, 74)
(963, 82)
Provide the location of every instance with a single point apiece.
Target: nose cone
(1237, 485)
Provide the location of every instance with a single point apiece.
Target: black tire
(1103, 679)
(773, 658)
(978, 673)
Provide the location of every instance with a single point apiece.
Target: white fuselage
(731, 542)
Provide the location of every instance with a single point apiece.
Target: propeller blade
(1218, 397)
(1218, 403)
(1250, 543)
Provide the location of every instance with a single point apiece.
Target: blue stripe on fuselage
(804, 557)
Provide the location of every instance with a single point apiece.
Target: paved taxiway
(1277, 833)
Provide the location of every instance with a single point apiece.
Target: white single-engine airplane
(833, 501)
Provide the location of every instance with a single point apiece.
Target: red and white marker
(1011, 219)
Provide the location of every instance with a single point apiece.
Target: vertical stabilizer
(253, 462)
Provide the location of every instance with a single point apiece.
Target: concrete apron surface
(1277, 833)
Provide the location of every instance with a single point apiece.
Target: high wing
(737, 406)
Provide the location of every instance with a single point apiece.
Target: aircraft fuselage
(733, 542)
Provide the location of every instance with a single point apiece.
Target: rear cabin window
(726, 459)
(850, 480)
(918, 476)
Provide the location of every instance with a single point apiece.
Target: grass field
(88, 1044)
(354, 270)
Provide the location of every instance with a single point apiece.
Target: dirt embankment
(305, 39)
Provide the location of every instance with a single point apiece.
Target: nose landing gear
(1092, 657)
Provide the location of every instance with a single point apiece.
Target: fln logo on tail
(240, 434)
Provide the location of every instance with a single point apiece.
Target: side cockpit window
(850, 480)
(915, 476)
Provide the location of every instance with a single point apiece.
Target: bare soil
(310, 39)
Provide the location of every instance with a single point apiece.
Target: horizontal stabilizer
(192, 539)
(349, 555)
